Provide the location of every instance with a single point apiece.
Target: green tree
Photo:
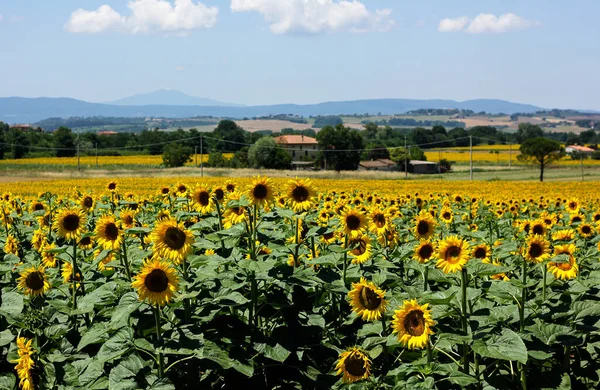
(19, 143)
(3, 130)
(268, 154)
(231, 137)
(540, 151)
(176, 155)
(371, 130)
(527, 131)
(64, 142)
(341, 147)
(375, 149)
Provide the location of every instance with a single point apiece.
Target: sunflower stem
(125, 260)
(425, 278)
(220, 222)
(159, 357)
(522, 367)
(74, 274)
(429, 352)
(465, 320)
(345, 264)
(296, 247)
(544, 270)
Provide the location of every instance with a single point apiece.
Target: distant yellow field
(102, 160)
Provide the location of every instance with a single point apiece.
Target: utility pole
(196, 156)
(405, 159)
(96, 146)
(201, 158)
(471, 157)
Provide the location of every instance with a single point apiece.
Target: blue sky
(543, 52)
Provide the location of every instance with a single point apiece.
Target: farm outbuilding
(418, 166)
(579, 149)
(382, 164)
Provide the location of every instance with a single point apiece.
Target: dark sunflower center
(230, 188)
(425, 251)
(538, 229)
(85, 241)
(353, 222)
(526, 228)
(535, 250)
(181, 189)
(260, 191)
(452, 253)
(361, 247)
(112, 186)
(164, 190)
(35, 281)
(156, 281)
(237, 210)
(480, 253)
(174, 238)
(328, 236)
(219, 193)
(111, 231)
(446, 215)
(379, 220)
(88, 202)
(71, 222)
(300, 194)
(572, 205)
(576, 219)
(128, 220)
(414, 323)
(548, 221)
(422, 228)
(204, 198)
(355, 365)
(38, 206)
(369, 299)
(586, 229)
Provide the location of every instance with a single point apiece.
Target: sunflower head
(353, 222)
(354, 365)
(563, 235)
(536, 249)
(482, 252)
(453, 254)
(424, 226)
(260, 191)
(33, 281)
(172, 240)
(564, 270)
(87, 202)
(367, 300)
(586, 230)
(112, 186)
(360, 248)
(157, 282)
(202, 200)
(108, 234)
(70, 223)
(424, 251)
(413, 324)
(300, 194)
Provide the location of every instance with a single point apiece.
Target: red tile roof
(296, 140)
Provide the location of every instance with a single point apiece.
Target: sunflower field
(278, 284)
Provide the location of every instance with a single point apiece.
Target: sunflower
(424, 251)
(38, 239)
(48, 258)
(25, 364)
(572, 206)
(230, 186)
(563, 235)
(102, 264)
(424, 226)
(37, 206)
(87, 203)
(67, 273)
(108, 233)
(586, 230)
(536, 249)
(234, 214)
(112, 186)
(538, 227)
(452, 254)
(482, 252)
(156, 282)
(360, 248)
(69, 223)
(300, 194)
(127, 219)
(413, 324)
(86, 242)
(202, 201)
(500, 276)
(354, 364)
(163, 214)
(33, 281)
(596, 217)
(566, 270)
(209, 252)
(219, 193)
(164, 191)
(181, 190)
(575, 219)
(11, 245)
(367, 300)
(172, 240)
(260, 191)
(329, 237)
(353, 222)
(378, 221)
(446, 214)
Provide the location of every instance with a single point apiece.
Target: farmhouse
(382, 164)
(303, 149)
(26, 128)
(584, 150)
(418, 166)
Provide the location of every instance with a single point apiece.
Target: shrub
(176, 155)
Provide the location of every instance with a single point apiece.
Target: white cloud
(146, 16)
(487, 23)
(316, 16)
(453, 25)
(179, 68)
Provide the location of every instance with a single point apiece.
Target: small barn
(382, 164)
(584, 150)
(419, 166)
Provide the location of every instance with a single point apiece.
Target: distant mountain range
(169, 97)
(30, 110)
